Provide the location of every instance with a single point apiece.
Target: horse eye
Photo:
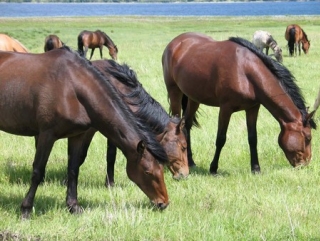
(148, 173)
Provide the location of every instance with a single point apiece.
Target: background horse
(10, 44)
(31, 104)
(52, 41)
(194, 69)
(169, 131)
(97, 39)
(263, 39)
(296, 37)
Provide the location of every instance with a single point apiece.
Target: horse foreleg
(252, 116)
(45, 141)
(85, 51)
(299, 47)
(267, 50)
(74, 150)
(189, 115)
(223, 123)
(100, 48)
(111, 159)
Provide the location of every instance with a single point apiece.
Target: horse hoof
(76, 209)
(109, 184)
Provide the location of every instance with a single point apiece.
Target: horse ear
(180, 126)
(141, 147)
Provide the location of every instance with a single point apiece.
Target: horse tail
(49, 45)
(184, 103)
(292, 40)
(80, 45)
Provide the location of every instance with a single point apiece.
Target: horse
(234, 75)
(263, 39)
(52, 41)
(296, 37)
(61, 95)
(169, 131)
(10, 44)
(96, 39)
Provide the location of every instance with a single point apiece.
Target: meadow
(281, 203)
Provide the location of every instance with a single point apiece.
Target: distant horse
(296, 37)
(97, 39)
(194, 69)
(169, 131)
(263, 39)
(61, 95)
(10, 44)
(51, 42)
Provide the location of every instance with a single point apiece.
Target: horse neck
(273, 45)
(108, 41)
(18, 47)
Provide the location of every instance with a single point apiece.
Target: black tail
(49, 45)
(80, 45)
(292, 34)
(184, 103)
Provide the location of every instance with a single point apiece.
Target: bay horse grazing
(11, 44)
(169, 131)
(96, 39)
(194, 69)
(263, 39)
(32, 104)
(51, 42)
(296, 37)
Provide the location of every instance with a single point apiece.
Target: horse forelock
(282, 74)
(149, 112)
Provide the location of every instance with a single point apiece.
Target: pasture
(281, 203)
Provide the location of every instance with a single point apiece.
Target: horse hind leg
(44, 144)
(223, 123)
(251, 117)
(92, 51)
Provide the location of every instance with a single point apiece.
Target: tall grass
(281, 203)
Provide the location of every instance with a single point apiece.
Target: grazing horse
(263, 39)
(61, 95)
(296, 37)
(10, 44)
(234, 75)
(97, 39)
(51, 42)
(169, 131)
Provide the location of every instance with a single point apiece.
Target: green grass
(281, 203)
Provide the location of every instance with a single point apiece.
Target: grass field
(281, 203)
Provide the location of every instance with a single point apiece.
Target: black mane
(283, 75)
(144, 132)
(149, 110)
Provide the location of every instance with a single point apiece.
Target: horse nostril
(162, 206)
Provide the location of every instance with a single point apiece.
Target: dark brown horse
(51, 42)
(97, 39)
(296, 37)
(60, 95)
(169, 131)
(8, 43)
(234, 75)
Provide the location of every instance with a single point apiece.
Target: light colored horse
(10, 44)
(263, 39)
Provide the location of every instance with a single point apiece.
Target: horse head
(113, 52)
(305, 46)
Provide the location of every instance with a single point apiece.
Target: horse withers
(296, 37)
(263, 39)
(97, 39)
(194, 70)
(51, 42)
(8, 43)
(169, 131)
(31, 104)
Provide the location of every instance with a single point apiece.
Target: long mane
(149, 110)
(283, 75)
(144, 132)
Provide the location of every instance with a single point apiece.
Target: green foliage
(279, 204)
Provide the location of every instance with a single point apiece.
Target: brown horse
(10, 44)
(51, 42)
(296, 37)
(234, 75)
(169, 131)
(97, 39)
(61, 95)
